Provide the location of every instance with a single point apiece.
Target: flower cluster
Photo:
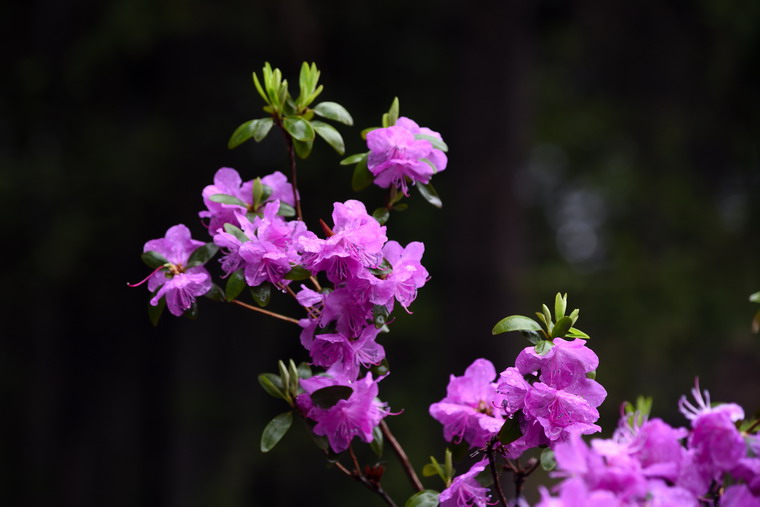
(648, 462)
(550, 395)
(403, 153)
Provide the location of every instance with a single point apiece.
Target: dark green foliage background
(609, 150)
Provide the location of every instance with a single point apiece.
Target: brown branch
(265, 312)
(492, 466)
(401, 456)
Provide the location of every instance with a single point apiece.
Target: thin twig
(316, 283)
(401, 456)
(265, 312)
(492, 465)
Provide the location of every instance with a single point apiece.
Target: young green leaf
(333, 111)
(393, 112)
(438, 144)
(548, 462)
(261, 294)
(381, 215)
(298, 128)
(303, 148)
(755, 298)
(429, 194)
(361, 178)
(515, 323)
(542, 348)
(354, 159)
(304, 370)
(286, 210)
(330, 135)
(153, 259)
(377, 441)
(272, 384)
(215, 293)
(202, 255)
(259, 88)
(235, 285)
(154, 312)
(561, 328)
(560, 305)
(298, 273)
(235, 231)
(577, 333)
(227, 199)
(275, 430)
(424, 498)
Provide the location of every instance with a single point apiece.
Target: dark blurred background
(605, 149)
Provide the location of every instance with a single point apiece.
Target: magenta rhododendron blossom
(227, 181)
(356, 416)
(465, 490)
(407, 275)
(739, 495)
(565, 364)
(559, 412)
(397, 156)
(356, 243)
(470, 411)
(179, 284)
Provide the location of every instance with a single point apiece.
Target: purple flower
(356, 416)
(739, 495)
(395, 154)
(465, 490)
(514, 387)
(179, 284)
(559, 412)
(564, 365)
(227, 181)
(470, 410)
(408, 274)
(341, 354)
(356, 243)
(658, 448)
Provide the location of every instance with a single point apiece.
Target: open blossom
(227, 181)
(470, 410)
(355, 416)
(465, 490)
(396, 155)
(267, 251)
(179, 284)
(355, 244)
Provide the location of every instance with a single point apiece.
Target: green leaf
(298, 128)
(381, 215)
(286, 210)
(560, 305)
(303, 148)
(330, 135)
(424, 498)
(202, 255)
(380, 315)
(577, 333)
(532, 336)
(591, 375)
(215, 293)
(361, 178)
(284, 376)
(377, 441)
(393, 112)
(154, 312)
(261, 294)
(329, 396)
(432, 469)
(228, 199)
(235, 231)
(304, 370)
(561, 328)
(259, 88)
(547, 317)
(298, 273)
(153, 259)
(367, 131)
(438, 144)
(543, 347)
(256, 129)
(515, 323)
(574, 315)
(755, 298)
(429, 194)
(258, 193)
(235, 285)
(548, 462)
(401, 207)
(353, 159)
(272, 384)
(510, 431)
(380, 368)
(333, 111)
(275, 430)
